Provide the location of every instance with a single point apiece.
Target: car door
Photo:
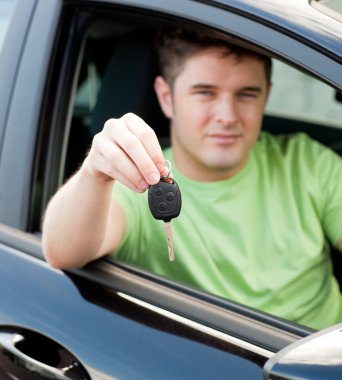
(108, 320)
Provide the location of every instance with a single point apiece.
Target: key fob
(164, 199)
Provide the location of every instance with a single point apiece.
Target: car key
(165, 202)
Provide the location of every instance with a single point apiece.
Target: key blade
(168, 231)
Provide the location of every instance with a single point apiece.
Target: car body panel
(122, 340)
(10, 56)
(26, 95)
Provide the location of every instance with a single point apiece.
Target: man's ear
(164, 96)
(268, 91)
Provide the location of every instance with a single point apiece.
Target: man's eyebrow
(202, 86)
(256, 89)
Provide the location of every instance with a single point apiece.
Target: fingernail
(154, 178)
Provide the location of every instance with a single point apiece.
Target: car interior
(118, 80)
(118, 67)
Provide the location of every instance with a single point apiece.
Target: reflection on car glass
(301, 97)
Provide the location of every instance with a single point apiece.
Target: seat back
(127, 84)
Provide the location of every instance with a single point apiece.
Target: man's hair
(174, 46)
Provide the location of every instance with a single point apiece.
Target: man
(256, 208)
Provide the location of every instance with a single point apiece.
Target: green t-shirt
(258, 238)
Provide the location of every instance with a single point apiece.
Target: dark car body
(109, 320)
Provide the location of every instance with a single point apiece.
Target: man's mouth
(224, 138)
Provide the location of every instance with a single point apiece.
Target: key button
(158, 191)
(170, 196)
(162, 206)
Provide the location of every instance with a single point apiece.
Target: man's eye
(248, 95)
(204, 93)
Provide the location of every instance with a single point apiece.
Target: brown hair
(174, 46)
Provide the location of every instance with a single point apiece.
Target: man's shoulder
(289, 143)
(296, 150)
(281, 139)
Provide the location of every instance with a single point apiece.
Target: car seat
(127, 83)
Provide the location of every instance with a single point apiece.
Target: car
(66, 67)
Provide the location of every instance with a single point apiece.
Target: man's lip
(222, 134)
(224, 137)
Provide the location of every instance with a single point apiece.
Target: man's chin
(224, 160)
(225, 164)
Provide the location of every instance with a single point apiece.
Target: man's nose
(226, 111)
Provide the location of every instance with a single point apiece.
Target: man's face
(216, 108)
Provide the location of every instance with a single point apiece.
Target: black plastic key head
(165, 199)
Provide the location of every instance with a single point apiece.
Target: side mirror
(318, 356)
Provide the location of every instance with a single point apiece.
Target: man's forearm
(74, 224)
(82, 221)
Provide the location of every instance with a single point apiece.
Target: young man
(256, 208)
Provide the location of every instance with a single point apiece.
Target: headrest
(127, 83)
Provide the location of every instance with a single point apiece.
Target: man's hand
(82, 221)
(127, 150)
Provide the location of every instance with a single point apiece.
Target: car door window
(301, 103)
(117, 67)
(109, 73)
(298, 96)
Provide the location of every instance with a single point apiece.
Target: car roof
(299, 18)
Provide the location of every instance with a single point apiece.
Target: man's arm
(75, 222)
(82, 221)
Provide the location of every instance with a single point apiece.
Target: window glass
(6, 13)
(295, 95)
